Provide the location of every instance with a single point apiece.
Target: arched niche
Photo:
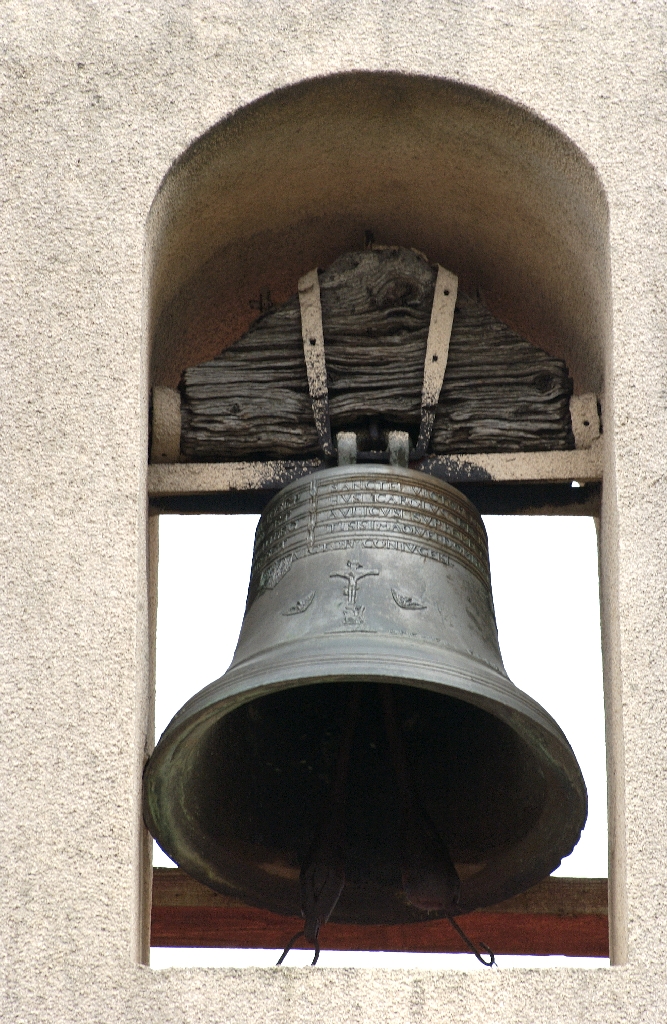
(289, 182)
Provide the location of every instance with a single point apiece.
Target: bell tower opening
(465, 778)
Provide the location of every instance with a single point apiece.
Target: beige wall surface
(98, 100)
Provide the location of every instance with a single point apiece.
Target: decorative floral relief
(302, 605)
(272, 575)
(408, 604)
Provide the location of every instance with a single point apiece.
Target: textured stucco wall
(97, 101)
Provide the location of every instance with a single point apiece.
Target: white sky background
(545, 590)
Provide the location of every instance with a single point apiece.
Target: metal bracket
(398, 446)
(346, 443)
(313, 350)
(585, 420)
(437, 351)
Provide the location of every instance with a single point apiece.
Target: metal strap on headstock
(313, 350)
(435, 362)
(437, 352)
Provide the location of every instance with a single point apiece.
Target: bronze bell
(366, 755)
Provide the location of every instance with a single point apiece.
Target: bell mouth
(241, 781)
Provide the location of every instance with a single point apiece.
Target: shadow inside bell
(261, 789)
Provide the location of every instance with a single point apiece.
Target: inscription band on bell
(428, 520)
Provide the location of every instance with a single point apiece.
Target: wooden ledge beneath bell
(559, 916)
(504, 483)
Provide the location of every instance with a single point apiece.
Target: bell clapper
(430, 881)
(322, 877)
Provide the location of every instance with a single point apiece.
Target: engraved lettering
(380, 514)
(312, 514)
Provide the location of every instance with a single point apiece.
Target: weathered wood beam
(559, 916)
(583, 465)
(533, 482)
(374, 309)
